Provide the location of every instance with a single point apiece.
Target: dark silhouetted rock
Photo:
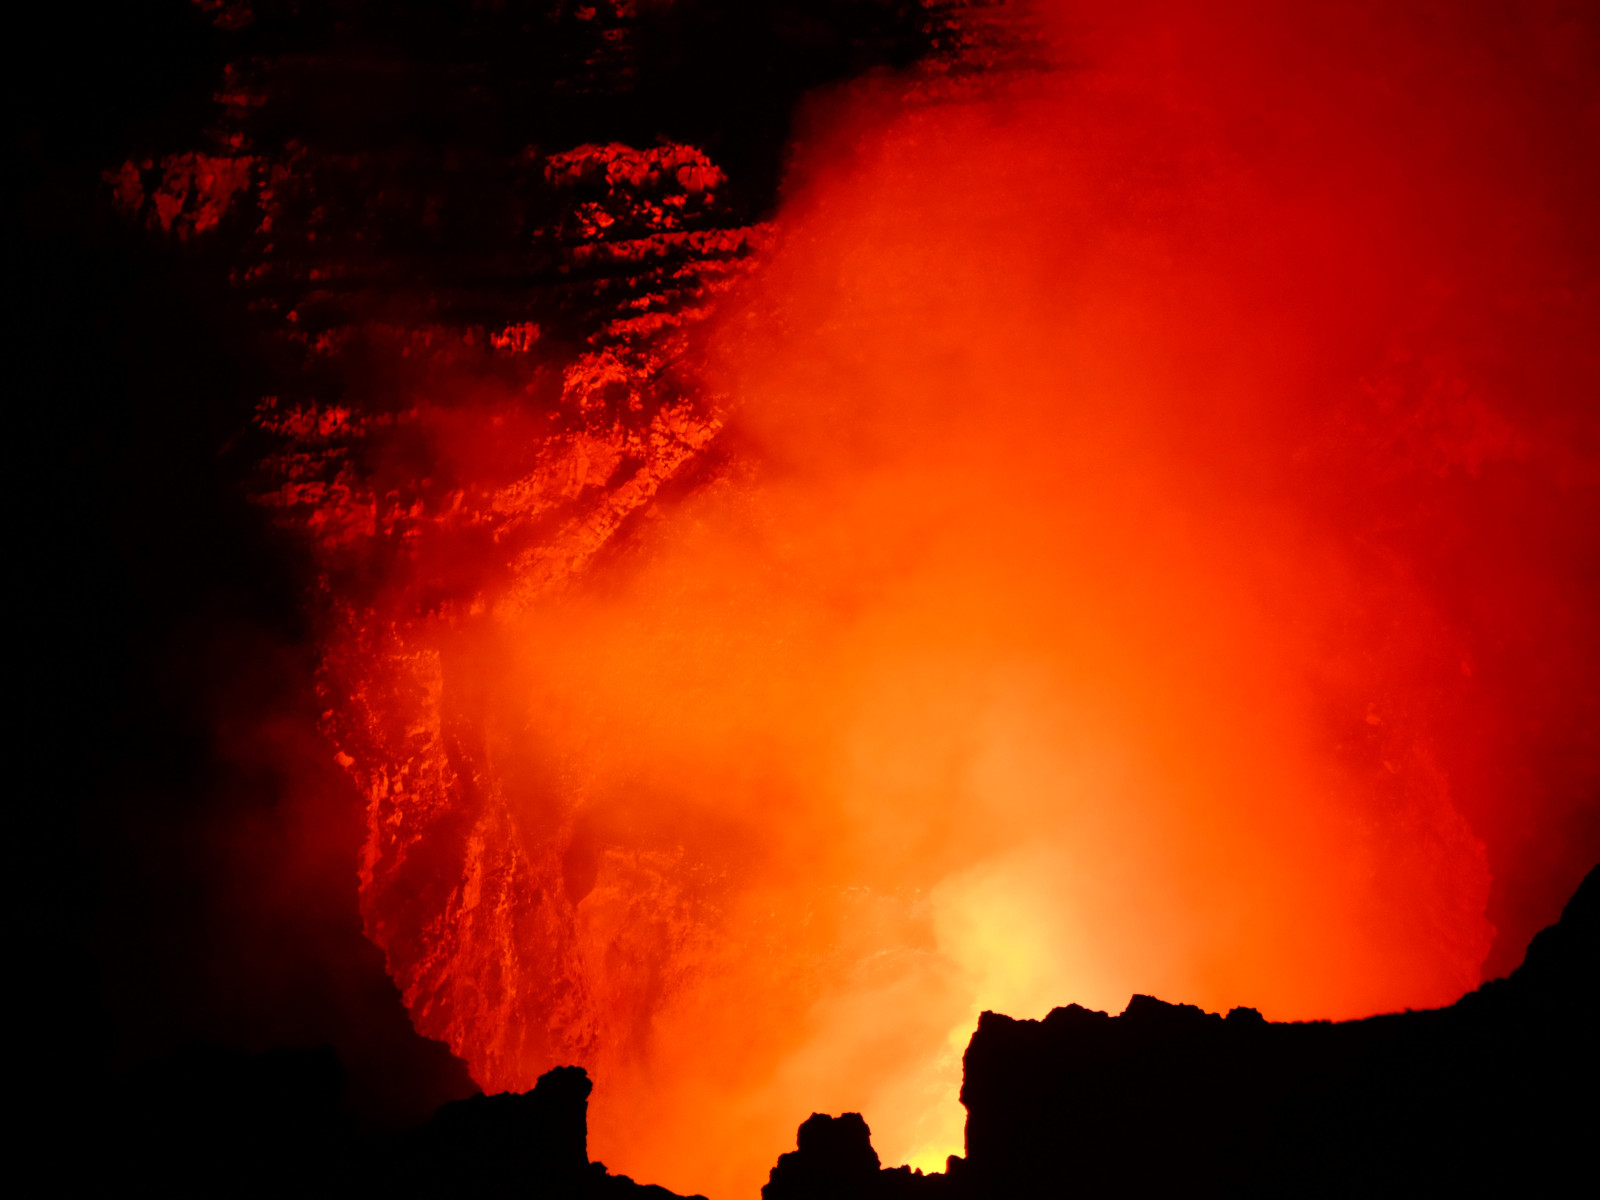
(1497, 1090)
(1494, 1091)
(834, 1158)
(532, 1143)
(206, 1121)
(485, 1144)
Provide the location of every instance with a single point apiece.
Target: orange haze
(1154, 550)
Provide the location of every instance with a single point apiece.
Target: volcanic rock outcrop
(1494, 1091)
(509, 1144)
(207, 1121)
(834, 1157)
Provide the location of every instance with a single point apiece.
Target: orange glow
(1144, 548)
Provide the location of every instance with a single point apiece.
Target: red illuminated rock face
(475, 346)
(474, 909)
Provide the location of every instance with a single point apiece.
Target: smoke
(1155, 552)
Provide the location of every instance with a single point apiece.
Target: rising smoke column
(1145, 542)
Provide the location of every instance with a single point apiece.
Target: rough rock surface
(473, 245)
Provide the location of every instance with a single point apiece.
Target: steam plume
(1153, 551)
